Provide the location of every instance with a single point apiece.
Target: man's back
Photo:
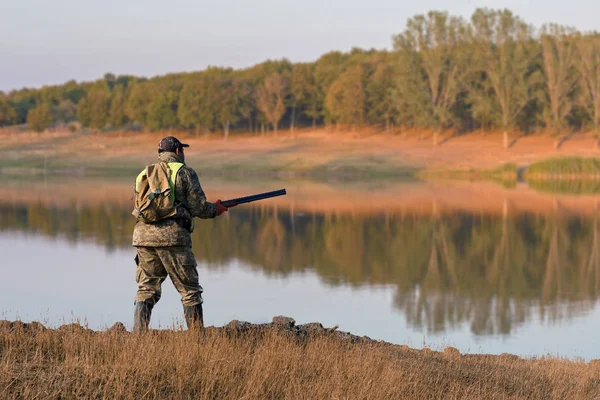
(164, 247)
(191, 202)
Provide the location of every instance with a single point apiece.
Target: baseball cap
(170, 143)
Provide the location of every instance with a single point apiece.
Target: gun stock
(255, 197)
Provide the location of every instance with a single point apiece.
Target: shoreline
(276, 359)
(319, 154)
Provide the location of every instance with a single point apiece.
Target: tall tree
(270, 98)
(504, 51)
(98, 102)
(379, 92)
(301, 85)
(326, 70)
(558, 52)
(588, 47)
(438, 44)
(162, 111)
(196, 108)
(345, 100)
(138, 102)
(228, 101)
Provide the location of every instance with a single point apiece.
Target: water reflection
(491, 271)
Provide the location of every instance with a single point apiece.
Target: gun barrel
(254, 197)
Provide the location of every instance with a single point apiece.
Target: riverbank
(275, 360)
(317, 154)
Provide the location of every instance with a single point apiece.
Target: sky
(50, 42)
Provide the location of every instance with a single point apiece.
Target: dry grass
(216, 363)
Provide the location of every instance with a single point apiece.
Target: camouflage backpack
(154, 192)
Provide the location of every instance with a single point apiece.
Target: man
(164, 247)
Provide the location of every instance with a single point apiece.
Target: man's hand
(221, 208)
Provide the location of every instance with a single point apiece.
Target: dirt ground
(316, 151)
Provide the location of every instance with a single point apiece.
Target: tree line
(493, 71)
(494, 272)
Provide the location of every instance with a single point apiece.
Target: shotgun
(255, 197)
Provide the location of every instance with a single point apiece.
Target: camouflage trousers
(154, 264)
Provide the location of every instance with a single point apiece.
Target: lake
(477, 266)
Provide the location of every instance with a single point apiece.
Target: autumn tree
(558, 52)
(270, 98)
(504, 52)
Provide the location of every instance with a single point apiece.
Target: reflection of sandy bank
(339, 197)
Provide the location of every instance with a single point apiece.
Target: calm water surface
(523, 283)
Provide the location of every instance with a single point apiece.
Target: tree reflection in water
(491, 271)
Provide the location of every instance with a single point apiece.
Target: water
(516, 278)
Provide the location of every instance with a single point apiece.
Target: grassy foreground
(242, 361)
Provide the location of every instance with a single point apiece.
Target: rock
(239, 326)
(74, 328)
(509, 356)
(427, 351)
(118, 327)
(284, 322)
(311, 328)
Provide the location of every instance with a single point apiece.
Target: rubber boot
(194, 317)
(141, 316)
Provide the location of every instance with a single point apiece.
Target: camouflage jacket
(191, 203)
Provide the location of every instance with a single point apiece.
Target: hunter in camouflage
(164, 248)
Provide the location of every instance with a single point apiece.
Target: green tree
(8, 115)
(301, 85)
(22, 101)
(93, 110)
(228, 102)
(327, 70)
(116, 113)
(379, 94)
(162, 111)
(39, 118)
(441, 64)
(84, 112)
(504, 50)
(196, 109)
(345, 100)
(138, 102)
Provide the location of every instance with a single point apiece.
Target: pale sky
(50, 42)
